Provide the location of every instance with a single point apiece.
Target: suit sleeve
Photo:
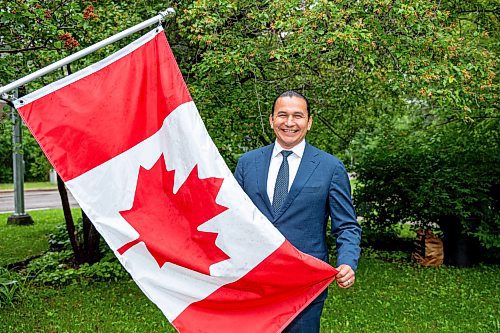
(345, 227)
(238, 173)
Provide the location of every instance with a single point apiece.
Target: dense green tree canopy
(405, 89)
(440, 161)
(355, 60)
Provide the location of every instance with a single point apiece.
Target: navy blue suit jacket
(321, 189)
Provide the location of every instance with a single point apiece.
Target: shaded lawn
(18, 243)
(95, 307)
(392, 297)
(388, 297)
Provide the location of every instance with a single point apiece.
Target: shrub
(57, 268)
(59, 240)
(422, 174)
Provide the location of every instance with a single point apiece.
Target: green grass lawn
(21, 242)
(38, 185)
(96, 307)
(388, 297)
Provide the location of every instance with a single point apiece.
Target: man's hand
(345, 277)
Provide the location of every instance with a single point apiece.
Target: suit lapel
(308, 164)
(262, 163)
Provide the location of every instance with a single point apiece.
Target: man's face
(290, 121)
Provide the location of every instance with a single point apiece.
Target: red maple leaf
(167, 223)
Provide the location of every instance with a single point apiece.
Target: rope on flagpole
(82, 53)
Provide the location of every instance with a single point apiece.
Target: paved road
(34, 199)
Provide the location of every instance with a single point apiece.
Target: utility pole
(19, 217)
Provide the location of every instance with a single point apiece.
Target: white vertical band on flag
(244, 234)
(87, 70)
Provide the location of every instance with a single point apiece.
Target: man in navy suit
(297, 187)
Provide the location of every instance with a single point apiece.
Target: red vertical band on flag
(283, 284)
(95, 118)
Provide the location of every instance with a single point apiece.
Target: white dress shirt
(293, 166)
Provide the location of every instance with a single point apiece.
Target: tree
(440, 163)
(37, 33)
(425, 69)
(425, 173)
(363, 64)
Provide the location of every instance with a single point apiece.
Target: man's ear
(271, 120)
(309, 123)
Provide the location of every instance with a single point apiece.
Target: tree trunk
(91, 239)
(70, 225)
(459, 249)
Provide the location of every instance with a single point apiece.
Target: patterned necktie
(281, 186)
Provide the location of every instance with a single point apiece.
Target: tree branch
(451, 120)
(27, 49)
(478, 11)
(330, 127)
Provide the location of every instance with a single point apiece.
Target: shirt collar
(297, 150)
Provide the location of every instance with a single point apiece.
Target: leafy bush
(397, 237)
(59, 240)
(389, 256)
(57, 268)
(421, 173)
(50, 261)
(103, 271)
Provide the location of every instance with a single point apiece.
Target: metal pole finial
(166, 12)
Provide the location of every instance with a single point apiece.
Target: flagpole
(80, 54)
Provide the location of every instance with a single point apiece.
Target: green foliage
(59, 240)
(36, 164)
(38, 33)
(18, 243)
(386, 255)
(396, 237)
(30, 185)
(387, 297)
(409, 87)
(11, 288)
(390, 295)
(438, 162)
(356, 61)
(422, 172)
(56, 268)
(48, 262)
(5, 151)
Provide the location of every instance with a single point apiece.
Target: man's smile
(290, 121)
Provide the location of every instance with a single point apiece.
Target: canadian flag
(127, 139)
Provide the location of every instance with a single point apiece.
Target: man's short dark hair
(291, 93)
